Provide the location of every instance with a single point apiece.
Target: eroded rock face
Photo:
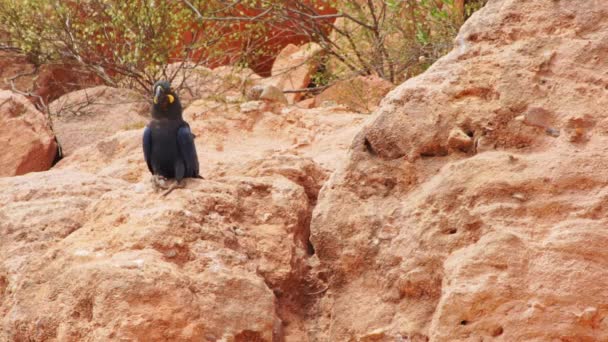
(28, 144)
(89, 115)
(429, 238)
(471, 206)
(46, 83)
(89, 251)
(162, 269)
(222, 83)
(360, 94)
(293, 68)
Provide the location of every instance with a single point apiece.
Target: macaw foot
(176, 185)
(159, 182)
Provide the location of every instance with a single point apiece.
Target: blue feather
(147, 144)
(185, 141)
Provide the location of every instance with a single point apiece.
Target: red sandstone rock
(89, 115)
(293, 68)
(28, 144)
(275, 38)
(417, 235)
(360, 94)
(89, 250)
(53, 81)
(82, 264)
(47, 83)
(423, 242)
(11, 66)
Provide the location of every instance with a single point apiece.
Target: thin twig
(203, 18)
(307, 90)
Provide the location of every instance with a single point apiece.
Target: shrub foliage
(132, 42)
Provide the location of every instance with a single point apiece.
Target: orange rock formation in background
(267, 46)
(28, 144)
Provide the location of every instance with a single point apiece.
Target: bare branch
(307, 90)
(203, 18)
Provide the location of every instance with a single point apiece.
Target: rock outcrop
(47, 82)
(293, 68)
(95, 266)
(360, 94)
(89, 251)
(90, 115)
(472, 205)
(223, 83)
(469, 207)
(28, 144)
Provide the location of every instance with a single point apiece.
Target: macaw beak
(157, 94)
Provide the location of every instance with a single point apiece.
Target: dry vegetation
(130, 43)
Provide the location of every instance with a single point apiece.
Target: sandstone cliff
(473, 207)
(90, 252)
(469, 207)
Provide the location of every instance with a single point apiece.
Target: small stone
(459, 140)
(273, 94)
(552, 132)
(254, 93)
(538, 117)
(139, 188)
(251, 106)
(588, 314)
(519, 196)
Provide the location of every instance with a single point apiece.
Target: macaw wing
(185, 141)
(147, 145)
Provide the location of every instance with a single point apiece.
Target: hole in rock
(369, 148)
(310, 248)
(497, 332)
(58, 154)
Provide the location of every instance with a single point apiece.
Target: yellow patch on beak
(171, 98)
(155, 100)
